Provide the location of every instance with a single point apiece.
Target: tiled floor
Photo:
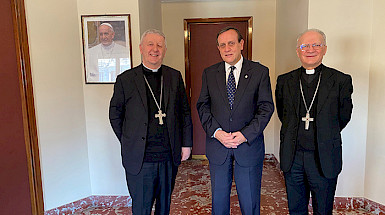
(192, 193)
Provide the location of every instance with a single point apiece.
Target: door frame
(28, 106)
(248, 37)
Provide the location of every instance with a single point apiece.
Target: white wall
(150, 15)
(80, 155)
(375, 151)
(347, 25)
(292, 17)
(106, 170)
(263, 44)
(54, 41)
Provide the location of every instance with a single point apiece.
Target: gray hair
(153, 31)
(314, 30)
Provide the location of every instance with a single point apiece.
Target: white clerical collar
(310, 71)
(154, 70)
(238, 65)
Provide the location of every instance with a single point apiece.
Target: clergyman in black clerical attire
(151, 117)
(314, 104)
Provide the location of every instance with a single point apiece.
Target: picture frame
(107, 49)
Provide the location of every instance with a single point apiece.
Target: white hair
(314, 30)
(153, 31)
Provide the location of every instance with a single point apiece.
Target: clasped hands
(230, 140)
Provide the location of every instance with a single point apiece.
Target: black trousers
(305, 177)
(154, 183)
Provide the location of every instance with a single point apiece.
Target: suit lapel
(221, 81)
(294, 90)
(166, 82)
(140, 84)
(243, 81)
(324, 88)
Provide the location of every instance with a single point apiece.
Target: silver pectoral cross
(307, 119)
(160, 115)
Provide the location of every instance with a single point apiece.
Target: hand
(225, 138)
(238, 138)
(186, 151)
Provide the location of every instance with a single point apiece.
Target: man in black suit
(234, 106)
(150, 115)
(314, 104)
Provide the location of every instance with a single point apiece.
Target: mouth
(154, 55)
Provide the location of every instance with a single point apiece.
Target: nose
(227, 48)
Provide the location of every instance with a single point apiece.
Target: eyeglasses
(306, 47)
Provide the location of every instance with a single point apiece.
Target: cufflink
(246, 76)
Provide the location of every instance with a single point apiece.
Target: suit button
(145, 124)
(231, 119)
(143, 138)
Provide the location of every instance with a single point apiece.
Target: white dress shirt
(237, 70)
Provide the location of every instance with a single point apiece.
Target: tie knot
(232, 68)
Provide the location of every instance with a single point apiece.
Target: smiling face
(106, 35)
(311, 58)
(153, 50)
(229, 47)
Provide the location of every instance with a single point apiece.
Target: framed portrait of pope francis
(106, 47)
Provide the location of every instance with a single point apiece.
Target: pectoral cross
(307, 120)
(160, 115)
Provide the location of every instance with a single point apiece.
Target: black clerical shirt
(157, 146)
(307, 139)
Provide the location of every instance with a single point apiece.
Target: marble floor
(192, 193)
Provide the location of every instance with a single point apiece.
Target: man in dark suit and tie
(314, 104)
(150, 116)
(234, 106)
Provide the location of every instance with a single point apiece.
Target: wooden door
(20, 181)
(200, 52)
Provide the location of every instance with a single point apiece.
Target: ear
(242, 42)
(325, 49)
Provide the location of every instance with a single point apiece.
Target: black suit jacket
(252, 110)
(129, 117)
(334, 110)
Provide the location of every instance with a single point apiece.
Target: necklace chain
(315, 93)
(152, 93)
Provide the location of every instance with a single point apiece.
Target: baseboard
(125, 201)
(199, 157)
